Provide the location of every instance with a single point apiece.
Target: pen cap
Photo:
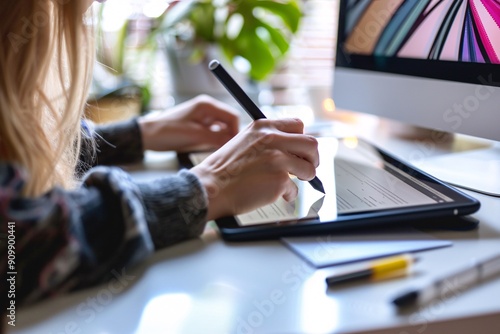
(394, 264)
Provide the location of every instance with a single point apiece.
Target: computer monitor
(430, 63)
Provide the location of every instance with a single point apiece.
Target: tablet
(364, 187)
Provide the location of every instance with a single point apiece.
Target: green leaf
(203, 19)
(263, 53)
(288, 11)
(118, 62)
(145, 97)
(277, 38)
(249, 46)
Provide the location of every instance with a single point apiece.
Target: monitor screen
(432, 63)
(464, 31)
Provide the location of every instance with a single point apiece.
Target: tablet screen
(357, 178)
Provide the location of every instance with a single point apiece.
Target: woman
(70, 232)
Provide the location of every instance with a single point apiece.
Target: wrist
(143, 129)
(148, 130)
(216, 206)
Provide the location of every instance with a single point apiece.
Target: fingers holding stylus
(289, 125)
(300, 152)
(252, 169)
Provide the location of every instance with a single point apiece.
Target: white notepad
(335, 249)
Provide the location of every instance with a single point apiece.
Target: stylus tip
(316, 184)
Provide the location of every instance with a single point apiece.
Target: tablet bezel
(461, 205)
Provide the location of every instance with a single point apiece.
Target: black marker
(246, 102)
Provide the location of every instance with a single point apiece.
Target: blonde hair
(45, 70)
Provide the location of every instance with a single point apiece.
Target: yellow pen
(381, 269)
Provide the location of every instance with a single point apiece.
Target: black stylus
(246, 102)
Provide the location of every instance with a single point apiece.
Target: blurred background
(152, 54)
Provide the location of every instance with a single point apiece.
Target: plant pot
(189, 78)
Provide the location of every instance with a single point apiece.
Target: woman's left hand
(202, 123)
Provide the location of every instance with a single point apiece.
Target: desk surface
(210, 286)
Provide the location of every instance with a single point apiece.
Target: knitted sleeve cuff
(118, 143)
(176, 208)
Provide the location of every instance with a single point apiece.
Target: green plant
(258, 31)
(113, 56)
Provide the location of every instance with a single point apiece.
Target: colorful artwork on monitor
(456, 30)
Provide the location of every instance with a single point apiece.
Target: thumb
(291, 191)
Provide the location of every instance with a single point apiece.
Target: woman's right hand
(252, 169)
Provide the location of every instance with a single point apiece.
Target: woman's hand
(202, 123)
(253, 168)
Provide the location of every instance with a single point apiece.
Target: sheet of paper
(336, 249)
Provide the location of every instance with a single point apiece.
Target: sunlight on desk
(320, 312)
(167, 312)
(215, 307)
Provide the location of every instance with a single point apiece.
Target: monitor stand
(477, 170)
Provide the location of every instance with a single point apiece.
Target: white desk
(209, 286)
